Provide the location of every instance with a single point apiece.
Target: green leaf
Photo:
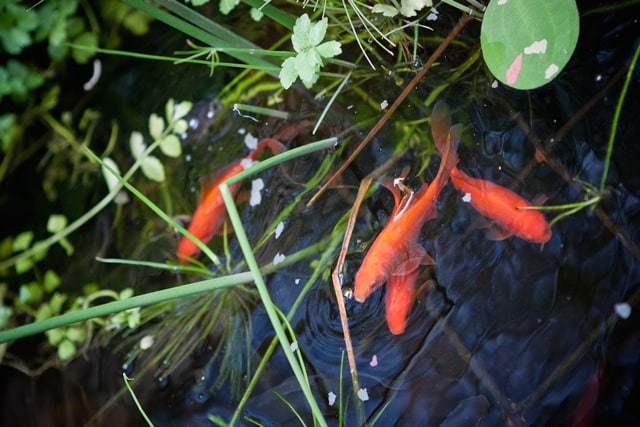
(306, 41)
(170, 146)
(329, 49)
(56, 302)
(31, 293)
(288, 73)
(51, 281)
(181, 109)
(409, 8)
(385, 9)
(526, 44)
(227, 6)
(89, 41)
(156, 126)
(110, 179)
(136, 142)
(56, 223)
(55, 336)
(76, 333)
(22, 241)
(66, 350)
(153, 169)
(180, 126)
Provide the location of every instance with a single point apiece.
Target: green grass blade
(127, 304)
(616, 118)
(215, 35)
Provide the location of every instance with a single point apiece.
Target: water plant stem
(616, 117)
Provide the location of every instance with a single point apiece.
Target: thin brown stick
(336, 275)
(405, 92)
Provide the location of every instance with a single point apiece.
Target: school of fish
(395, 255)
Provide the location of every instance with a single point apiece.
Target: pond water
(509, 332)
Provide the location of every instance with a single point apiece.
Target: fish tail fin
(449, 152)
(440, 125)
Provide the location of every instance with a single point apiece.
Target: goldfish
(399, 300)
(210, 213)
(506, 209)
(396, 250)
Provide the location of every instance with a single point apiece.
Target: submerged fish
(396, 249)
(506, 209)
(211, 211)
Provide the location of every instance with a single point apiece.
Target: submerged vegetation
(342, 54)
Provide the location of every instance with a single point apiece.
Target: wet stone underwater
(509, 333)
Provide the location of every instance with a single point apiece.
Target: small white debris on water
(146, 342)
(246, 163)
(257, 185)
(433, 15)
(539, 46)
(374, 361)
(279, 230)
(297, 281)
(294, 346)
(122, 198)
(331, 398)
(551, 71)
(466, 198)
(363, 395)
(501, 2)
(384, 104)
(242, 131)
(97, 72)
(494, 84)
(250, 141)
(623, 310)
(278, 258)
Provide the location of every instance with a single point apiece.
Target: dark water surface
(512, 332)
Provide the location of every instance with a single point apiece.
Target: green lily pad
(526, 43)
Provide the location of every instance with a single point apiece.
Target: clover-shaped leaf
(156, 126)
(150, 165)
(170, 146)
(306, 40)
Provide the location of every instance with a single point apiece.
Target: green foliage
(307, 41)
(165, 136)
(526, 44)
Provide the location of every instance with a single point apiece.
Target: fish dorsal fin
(396, 187)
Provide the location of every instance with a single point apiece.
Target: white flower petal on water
(257, 185)
(331, 398)
(278, 258)
(279, 230)
(363, 395)
(466, 198)
(250, 141)
(623, 310)
(374, 361)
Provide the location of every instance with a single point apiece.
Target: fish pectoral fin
(497, 233)
(417, 256)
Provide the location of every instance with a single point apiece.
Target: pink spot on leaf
(514, 70)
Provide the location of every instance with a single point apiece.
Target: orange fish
(396, 249)
(497, 203)
(503, 207)
(211, 211)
